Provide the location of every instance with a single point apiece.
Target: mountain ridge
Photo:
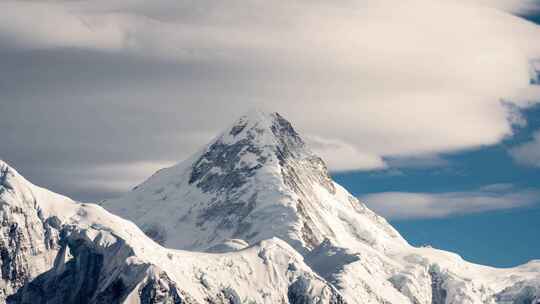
(258, 179)
(96, 257)
(258, 166)
(275, 228)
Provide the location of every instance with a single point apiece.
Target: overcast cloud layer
(96, 95)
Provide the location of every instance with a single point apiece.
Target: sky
(450, 207)
(425, 109)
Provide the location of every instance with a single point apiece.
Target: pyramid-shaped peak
(256, 180)
(255, 140)
(262, 128)
(262, 118)
(258, 115)
(254, 118)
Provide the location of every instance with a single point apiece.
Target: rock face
(94, 265)
(28, 235)
(99, 270)
(268, 225)
(59, 251)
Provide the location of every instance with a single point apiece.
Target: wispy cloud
(417, 161)
(342, 156)
(528, 153)
(413, 205)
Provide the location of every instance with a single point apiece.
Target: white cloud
(529, 152)
(417, 161)
(36, 24)
(410, 205)
(88, 182)
(514, 6)
(341, 156)
(380, 78)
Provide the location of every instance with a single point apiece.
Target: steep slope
(55, 250)
(114, 262)
(276, 229)
(255, 181)
(28, 231)
(259, 180)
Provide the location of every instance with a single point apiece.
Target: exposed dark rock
(308, 235)
(157, 233)
(298, 293)
(235, 130)
(161, 290)
(26, 237)
(222, 171)
(438, 292)
(217, 170)
(98, 274)
(523, 292)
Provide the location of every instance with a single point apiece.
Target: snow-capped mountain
(255, 181)
(29, 230)
(258, 179)
(263, 223)
(56, 251)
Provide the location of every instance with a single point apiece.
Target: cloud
(55, 25)
(528, 153)
(417, 161)
(341, 156)
(105, 82)
(514, 6)
(411, 205)
(90, 182)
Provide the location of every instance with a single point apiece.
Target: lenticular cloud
(409, 78)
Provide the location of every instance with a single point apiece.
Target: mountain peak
(255, 140)
(256, 180)
(262, 128)
(279, 229)
(257, 115)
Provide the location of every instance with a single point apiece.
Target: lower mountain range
(253, 217)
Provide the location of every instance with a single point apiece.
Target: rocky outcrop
(28, 239)
(522, 292)
(95, 266)
(98, 267)
(299, 293)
